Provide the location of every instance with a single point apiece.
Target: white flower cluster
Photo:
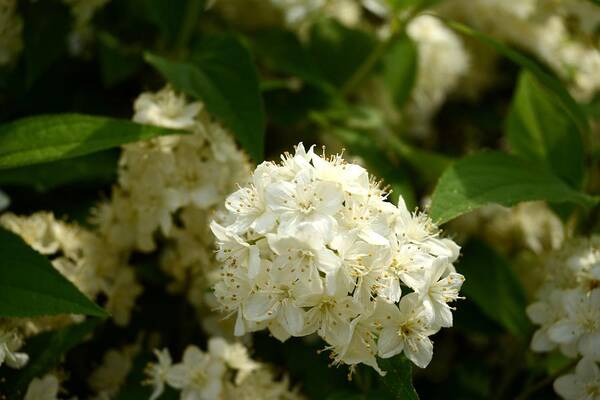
(108, 378)
(530, 226)
(568, 304)
(312, 245)
(584, 383)
(224, 372)
(44, 388)
(170, 187)
(542, 27)
(163, 176)
(442, 63)
(11, 25)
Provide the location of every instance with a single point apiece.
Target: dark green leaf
(492, 285)
(46, 138)
(469, 319)
(283, 52)
(398, 378)
(45, 352)
(337, 50)
(166, 15)
(31, 286)
(223, 77)
(97, 168)
(546, 79)
(493, 177)
(428, 164)
(539, 129)
(400, 69)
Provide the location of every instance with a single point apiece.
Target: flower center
(306, 207)
(199, 377)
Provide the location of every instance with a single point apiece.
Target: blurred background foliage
(317, 86)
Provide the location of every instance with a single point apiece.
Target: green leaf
(546, 79)
(400, 69)
(428, 164)
(45, 352)
(97, 168)
(282, 51)
(44, 138)
(30, 286)
(337, 50)
(494, 177)
(222, 75)
(492, 285)
(538, 129)
(398, 379)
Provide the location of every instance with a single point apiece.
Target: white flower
(44, 388)
(157, 372)
(407, 329)
(235, 356)
(198, 376)
(568, 301)
(312, 245)
(545, 313)
(361, 345)
(39, 230)
(262, 384)
(167, 109)
(107, 379)
(249, 206)
(442, 62)
(305, 203)
(122, 293)
(581, 323)
(330, 316)
(440, 287)
(10, 343)
(584, 384)
(278, 298)
(209, 376)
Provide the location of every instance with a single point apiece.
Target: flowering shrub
(171, 229)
